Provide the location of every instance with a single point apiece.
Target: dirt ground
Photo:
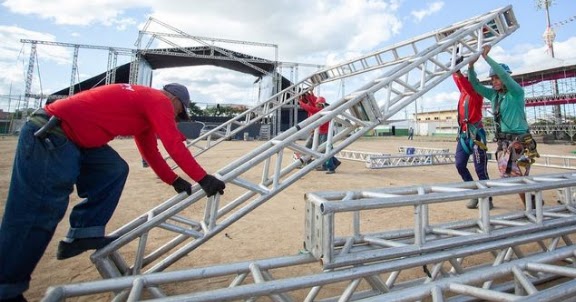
(275, 228)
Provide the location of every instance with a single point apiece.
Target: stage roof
(554, 70)
(184, 57)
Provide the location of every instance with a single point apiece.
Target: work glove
(212, 185)
(459, 60)
(181, 185)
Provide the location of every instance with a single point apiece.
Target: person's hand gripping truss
(210, 184)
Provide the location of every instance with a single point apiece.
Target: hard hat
(506, 68)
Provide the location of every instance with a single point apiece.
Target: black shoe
(78, 246)
(337, 164)
(19, 298)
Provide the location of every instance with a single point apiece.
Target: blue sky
(316, 32)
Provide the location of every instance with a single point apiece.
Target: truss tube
(279, 97)
(368, 255)
(421, 292)
(329, 208)
(183, 251)
(280, 286)
(514, 187)
(125, 282)
(29, 75)
(331, 277)
(74, 70)
(226, 53)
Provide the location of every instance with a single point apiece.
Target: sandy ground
(275, 228)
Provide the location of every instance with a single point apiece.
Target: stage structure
(404, 72)
(144, 59)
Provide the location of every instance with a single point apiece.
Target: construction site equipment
(422, 150)
(358, 155)
(403, 79)
(412, 160)
(494, 257)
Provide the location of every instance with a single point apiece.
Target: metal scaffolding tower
(408, 71)
(113, 53)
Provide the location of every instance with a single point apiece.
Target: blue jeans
(480, 160)
(43, 178)
(329, 164)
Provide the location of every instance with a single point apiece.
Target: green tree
(194, 110)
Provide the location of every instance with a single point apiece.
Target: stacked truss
(494, 257)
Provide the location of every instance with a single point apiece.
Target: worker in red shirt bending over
(66, 144)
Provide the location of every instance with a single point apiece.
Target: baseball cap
(181, 92)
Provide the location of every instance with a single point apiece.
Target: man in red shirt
(471, 134)
(66, 144)
(313, 107)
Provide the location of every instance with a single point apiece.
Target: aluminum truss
(376, 245)
(496, 258)
(422, 150)
(421, 156)
(404, 79)
(113, 53)
(428, 54)
(358, 155)
(412, 160)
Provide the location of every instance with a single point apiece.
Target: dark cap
(181, 92)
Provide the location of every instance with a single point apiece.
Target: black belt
(48, 124)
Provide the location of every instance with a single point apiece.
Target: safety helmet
(506, 68)
(320, 100)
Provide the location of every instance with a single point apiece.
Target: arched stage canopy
(185, 57)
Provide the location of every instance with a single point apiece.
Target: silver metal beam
(543, 266)
(399, 60)
(359, 112)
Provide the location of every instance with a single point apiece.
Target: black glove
(212, 185)
(459, 60)
(181, 185)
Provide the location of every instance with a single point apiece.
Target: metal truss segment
(399, 60)
(327, 246)
(358, 155)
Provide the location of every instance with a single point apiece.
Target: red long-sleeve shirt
(94, 117)
(313, 109)
(475, 100)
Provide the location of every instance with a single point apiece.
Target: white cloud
(15, 56)
(67, 12)
(430, 9)
(533, 57)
